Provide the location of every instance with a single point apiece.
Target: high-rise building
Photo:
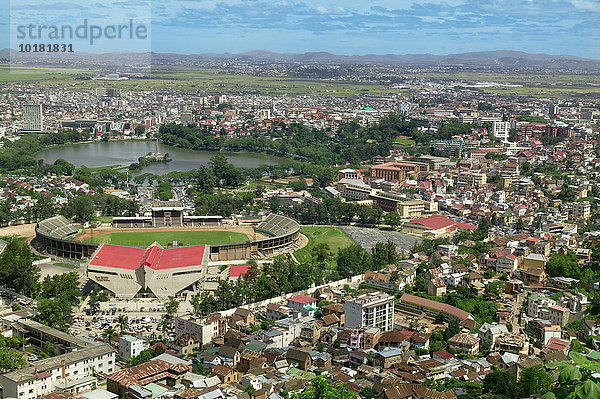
(404, 108)
(370, 310)
(501, 130)
(33, 118)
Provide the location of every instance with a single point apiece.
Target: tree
(164, 191)
(321, 389)
(123, 322)
(352, 260)
(321, 252)
(80, 208)
(384, 254)
(200, 369)
(495, 289)
(55, 313)
(11, 359)
(17, 270)
(195, 301)
(249, 390)
(63, 287)
(109, 335)
(393, 219)
(171, 306)
(145, 356)
(519, 225)
(452, 329)
(534, 381)
(367, 393)
(140, 130)
(274, 203)
(500, 383)
(97, 295)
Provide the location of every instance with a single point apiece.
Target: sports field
(145, 238)
(332, 236)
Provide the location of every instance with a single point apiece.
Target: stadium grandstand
(54, 236)
(284, 233)
(155, 271)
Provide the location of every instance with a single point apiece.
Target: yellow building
(534, 261)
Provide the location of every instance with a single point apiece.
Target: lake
(124, 153)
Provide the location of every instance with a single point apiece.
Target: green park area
(142, 238)
(335, 238)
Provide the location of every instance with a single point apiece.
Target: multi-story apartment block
(370, 310)
(558, 315)
(48, 375)
(33, 119)
(501, 130)
(131, 346)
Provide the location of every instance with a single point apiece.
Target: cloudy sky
(341, 27)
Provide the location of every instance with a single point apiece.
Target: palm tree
(165, 325)
(123, 322)
(171, 306)
(109, 334)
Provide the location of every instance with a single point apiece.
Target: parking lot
(138, 324)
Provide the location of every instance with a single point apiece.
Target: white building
(370, 310)
(206, 329)
(131, 346)
(501, 130)
(488, 333)
(46, 376)
(32, 117)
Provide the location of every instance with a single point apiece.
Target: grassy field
(186, 79)
(332, 236)
(213, 81)
(407, 142)
(143, 238)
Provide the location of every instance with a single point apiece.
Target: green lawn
(332, 236)
(405, 142)
(143, 238)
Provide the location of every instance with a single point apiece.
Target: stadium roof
(154, 257)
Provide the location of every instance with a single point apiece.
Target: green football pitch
(143, 238)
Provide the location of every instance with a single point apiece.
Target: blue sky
(341, 27)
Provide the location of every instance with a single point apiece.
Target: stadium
(130, 271)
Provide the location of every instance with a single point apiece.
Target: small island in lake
(150, 158)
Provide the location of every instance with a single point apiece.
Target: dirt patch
(23, 230)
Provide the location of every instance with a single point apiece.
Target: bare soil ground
(23, 230)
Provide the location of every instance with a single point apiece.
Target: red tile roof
(238, 270)
(441, 222)
(302, 299)
(155, 257)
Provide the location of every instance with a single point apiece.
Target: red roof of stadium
(153, 257)
(238, 270)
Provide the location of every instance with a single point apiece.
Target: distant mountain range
(500, 59)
